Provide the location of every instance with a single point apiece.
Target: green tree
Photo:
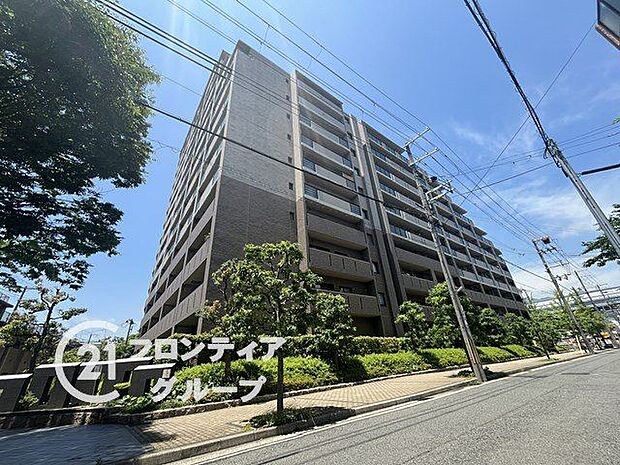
(417, 325)
(265, 293)
(591, 321)
(47, 304)
(552, 323)
(605, 252)
(487, 327)
(444, 331)
(70, 86)
(519, 330)
(332, 326)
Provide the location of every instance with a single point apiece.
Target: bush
(519, 351)
(27, 401)
(377, 365)
(444, 358)
(364, 345)
(299, 373)
(129, 404)
(494, 355)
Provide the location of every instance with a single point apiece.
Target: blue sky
(429, 56)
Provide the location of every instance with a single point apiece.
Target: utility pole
(604, 224)
(431, 213)
(130, 322)
(579, 333)
(614, 339)
(19, 301)
(551, 148)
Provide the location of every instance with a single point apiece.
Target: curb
(192, 450)
(184, 452)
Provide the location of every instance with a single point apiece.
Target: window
(371, 239)
(290, 186)
(346, 289)
(357, 171)
(288, 136)
(309, 164)
(387, 189)
(311, 191)
(306, 140)
(398, 230)
(359, 189)
(355, 209)
(381, 297)
(383, 171)
(365, 213)
(346, 161)
(375, 267)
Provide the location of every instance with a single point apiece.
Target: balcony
(331, 264)
(409, 236)
(330, 201)
(319, 96)
(415, 284)
(338, 123)
(326, 134)
(361, 305)
(327, 154)
(324, 229)
(324, 173)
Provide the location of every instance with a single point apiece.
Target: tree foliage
(605, 252)
(416, 324)
(264, 293)
(70, 83)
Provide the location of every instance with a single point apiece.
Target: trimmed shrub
(364, 345)
(444, 358)
(129, 404)
(299, 373)
(494, 355)
(377, 365)
(519, 351)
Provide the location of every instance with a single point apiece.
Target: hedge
(521, 351)
(444, 358)
(299, 373)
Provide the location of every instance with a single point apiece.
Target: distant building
(376, 255)
(608, 20)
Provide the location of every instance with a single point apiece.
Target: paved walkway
(87, 444)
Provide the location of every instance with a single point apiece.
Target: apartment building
(316, 186)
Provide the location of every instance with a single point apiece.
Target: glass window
(311, 191)
(609, 18)
(306, 140)
(309, 164)
(355, 209)
(381, 297)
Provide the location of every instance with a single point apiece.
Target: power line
(542, 97)
(601, 169)
(536, 168)
(552, 148)
(513, 230)
(262, 41)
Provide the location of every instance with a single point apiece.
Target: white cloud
(559, 211)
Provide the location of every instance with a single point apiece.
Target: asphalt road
(563, 414)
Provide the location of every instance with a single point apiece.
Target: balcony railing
(339, 123)
(322, 172)
(332, 201)
(319, 96)
(324, 132)
(325, 152)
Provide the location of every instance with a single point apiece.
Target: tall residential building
(313, 189)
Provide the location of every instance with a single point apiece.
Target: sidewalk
(86, 444)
